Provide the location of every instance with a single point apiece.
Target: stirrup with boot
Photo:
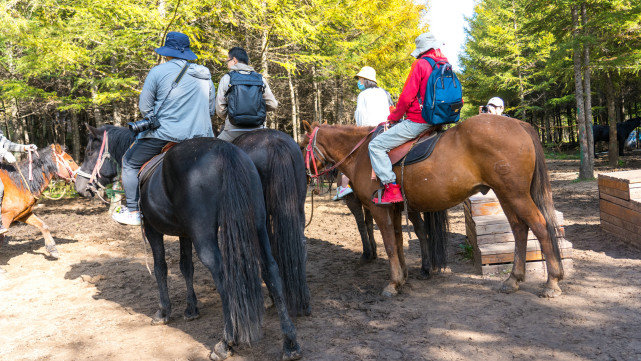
(391, 194)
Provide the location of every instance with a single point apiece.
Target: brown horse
(21, 193)
(481, 153)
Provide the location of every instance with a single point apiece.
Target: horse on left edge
(22, 188)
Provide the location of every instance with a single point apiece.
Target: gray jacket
(8, 146)
(221, 101)
(187, 111)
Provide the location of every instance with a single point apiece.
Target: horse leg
(210, 256)
(157, 245)
(50, 244)
(398, 236)
(187, 269)
(530, 214)
(519, 230)
(291, 348)
(356, 207)
(369, 224)
(421, 233)
(387, 218)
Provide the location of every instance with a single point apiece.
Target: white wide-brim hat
(368, 73)
(496, 101)
(425, 42)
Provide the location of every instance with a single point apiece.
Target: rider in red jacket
(408, 104)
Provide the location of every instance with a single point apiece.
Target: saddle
(414, 151)
(150, 166)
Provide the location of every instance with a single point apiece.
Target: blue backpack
(443, 95)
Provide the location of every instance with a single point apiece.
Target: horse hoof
(365, 260)
(424, 275)
(389, 291)
(160, 318)
(550, 292)
(53, 252)
(293, 354)
(221, 351)
(191, 315)
(509, 287)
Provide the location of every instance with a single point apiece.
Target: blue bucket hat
(177, 46)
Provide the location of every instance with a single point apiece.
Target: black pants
(138, 154)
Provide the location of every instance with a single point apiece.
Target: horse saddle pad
(148, 168)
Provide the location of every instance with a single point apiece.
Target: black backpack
(245, 102)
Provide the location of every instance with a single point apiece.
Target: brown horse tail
(541, 192)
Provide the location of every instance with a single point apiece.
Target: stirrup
(378, 194)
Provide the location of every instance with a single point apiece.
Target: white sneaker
(124, 216)
(342, 192)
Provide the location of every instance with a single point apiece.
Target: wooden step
(624, 185)
(504, 252)
(534, 267)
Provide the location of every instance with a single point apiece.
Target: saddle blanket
(148, 168)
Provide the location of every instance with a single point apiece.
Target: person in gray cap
(176, 102)
(408, 105)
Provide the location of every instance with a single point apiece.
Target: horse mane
(43, 167)
(120, 139)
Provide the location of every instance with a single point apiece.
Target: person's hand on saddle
(29, 147)
(9, 158)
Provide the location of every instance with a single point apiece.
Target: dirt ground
(95, 302)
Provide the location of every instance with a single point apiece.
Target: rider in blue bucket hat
(181, 114)
(177, 46)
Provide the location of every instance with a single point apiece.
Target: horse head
(65, 164)
(95, 171)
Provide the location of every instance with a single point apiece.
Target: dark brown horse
(481, 153)
(21, 192)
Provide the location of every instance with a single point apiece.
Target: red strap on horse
(99, 162)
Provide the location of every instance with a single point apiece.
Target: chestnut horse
(21, 193)
(481, 153)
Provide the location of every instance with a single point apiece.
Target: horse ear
(307, 126)
(92, 131)
(57, 148)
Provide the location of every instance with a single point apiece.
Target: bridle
(60, 160)
(311, 154)
(93, 184)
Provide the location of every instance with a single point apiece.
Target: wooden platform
(490, 235)
(620, 204)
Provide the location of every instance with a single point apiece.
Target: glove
(31, 147)
(9, 158)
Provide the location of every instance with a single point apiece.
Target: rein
(59, 160)
(103, 155)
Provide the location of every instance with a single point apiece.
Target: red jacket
(408, 103)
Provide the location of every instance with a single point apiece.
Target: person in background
(372, 108)
(494, 106)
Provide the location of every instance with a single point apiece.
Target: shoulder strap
(174, 84)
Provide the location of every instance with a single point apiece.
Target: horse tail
(285, 187)
(239, 247)
(437, 226)
(541, 192)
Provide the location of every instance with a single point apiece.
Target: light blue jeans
(402, 132)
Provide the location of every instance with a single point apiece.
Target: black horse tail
(238, 242)
(437, 226)
(285, 203)
(541, 192)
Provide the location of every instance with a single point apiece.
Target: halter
(103, 155)
(60, 160)
(310, 154)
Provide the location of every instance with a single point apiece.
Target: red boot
(391, 194)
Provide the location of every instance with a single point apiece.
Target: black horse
(208, 193)
(602, 132)
(281, 168)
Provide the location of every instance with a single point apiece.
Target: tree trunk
(75, 135)
(586, 170)
(613, 148)
(97, 116)
(587, 88)
(339, 101)
(292, 95)
(318, 107)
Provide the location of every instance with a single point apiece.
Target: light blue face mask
(360, 85)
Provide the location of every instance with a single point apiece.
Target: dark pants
(138, 154)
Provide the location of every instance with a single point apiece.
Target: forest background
(66, 63)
